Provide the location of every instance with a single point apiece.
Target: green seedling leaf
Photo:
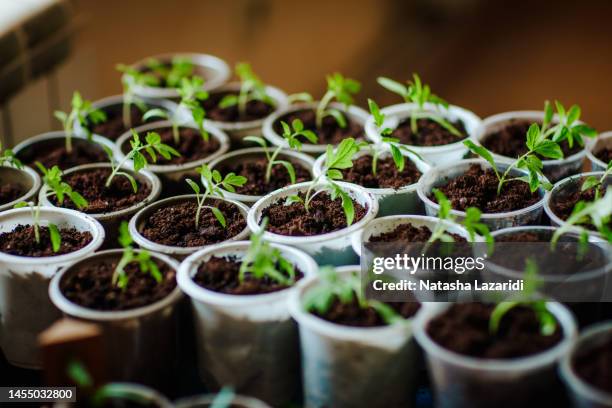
(56, 237)
(341, 89)
(83, 113)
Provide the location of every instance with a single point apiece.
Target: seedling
(8, 158)
(299, 97)
(341, 89)
(224, 398)
(180, 68)
(335, 161)
(531, 283)
(596, 183)
(251, 89)
(262, 260)
(132, 76)
(346, 289)
(419, 94)
(153, 146)
(212, 181)
(143, 257)
(568, 126)
(83, 113)
(192, 94)
(537, 144)
(291, 134)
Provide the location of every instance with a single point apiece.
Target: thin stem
(502, 180)
(175, 132)
(329, 95)
(36, 223)
(243, 98)
(271, 163)
(127, 113)
(68, 129)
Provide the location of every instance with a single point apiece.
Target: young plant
(568, 126)
(537, 144)
(291, 134)
(251, 89)
(596, 183)
(212, 181)
(262, 260)
(83, 113)
(342, 90)
(335, 160)
(143, 257)
(153, 146)
(129, 78)
(173, 74)
(192, 94)
(8, 158)
(346, 290)
(419, 94)
(531, 283)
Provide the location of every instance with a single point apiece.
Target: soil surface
(605, 154)
(464, 329)
(510, 141)
(90, 285)
(595, 366)
(21, 241)
(255, 109)
(566, 199)
(330, 132)
(175, 225)
(429, 133)
(10, 192)
(255, 172)
(91, 184)
(53, 153)
(409, 233)
(113, 127)
(478, 188)
(352, 314)
(197, 71)
(387, 174)
(324, 215)
(191, 146)
(221, 275)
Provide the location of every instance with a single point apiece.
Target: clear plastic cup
(26, 177)
(603, 140)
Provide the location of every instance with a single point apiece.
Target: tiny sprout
(418, 93)
(79, 374)
(143, 257)
(52, 178)
(335, 160)
(341, 89)
(173, 74)
(130, 77)
(548, 323)
(191, 92)
(8, 158)
(291, 134)
(251, 89)
(262, 260)
(212, 181)
(83, 112)
(568, 127)
(299, 97)
(153, 146)
(596, 183)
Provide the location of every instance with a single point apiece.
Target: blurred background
(487, 56)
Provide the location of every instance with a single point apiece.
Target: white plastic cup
(138, 220)
(354, 114)
(25, 308)
(465, 381)
(403, 200)
(139, 343)
(111, 220)
(444, 173)
(333, 248)
(344, 366)
(246, 341)
(26, 177)
(553, 169)
(145, 395)
(435, 155)
(252, 153)
(206, 401)
(593, 146)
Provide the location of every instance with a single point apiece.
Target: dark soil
(175, 225)
(429, 133)
(605, 154)
(90, 285)
(255, 172)
(221, 275)
(566, 199)
(191, 146)
(10, 192)
(53, 153)
(387, 174)
(464, 329)
(351, 314)
(524, 237)
(478, 188)
(324, 216)
(90, 183)
(510, 141)
(330, 132)
(409, 233)
(21, 241)
(254, 109)
(595, 366)
(113, 127)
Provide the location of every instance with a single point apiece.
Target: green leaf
(338, 116)
(219, 216)
(549, 149)
(155, 113)
(194, 186)
(257, 140)
(228, 101)
(393, 86)
(56, 237)
(480, 151)
(290, 169)
(125, 238)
